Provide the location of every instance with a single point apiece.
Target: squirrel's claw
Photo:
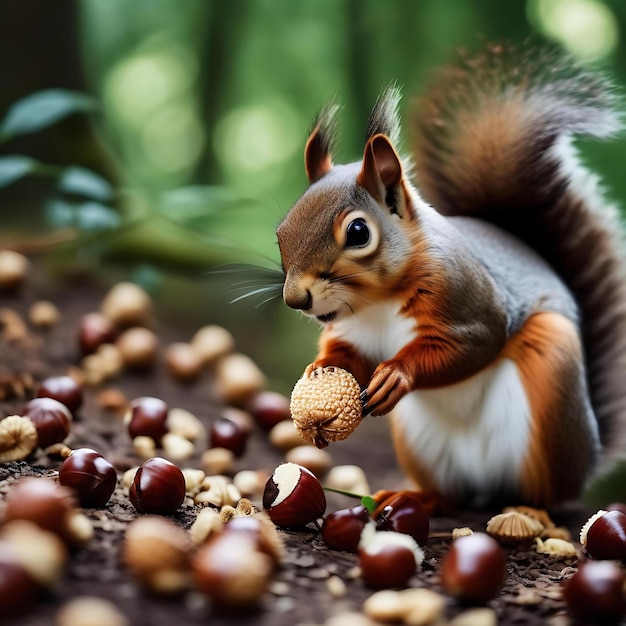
(386, 388)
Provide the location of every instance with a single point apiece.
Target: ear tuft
(318, 158)
(385, 118)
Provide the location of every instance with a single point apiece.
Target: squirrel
(476, 291)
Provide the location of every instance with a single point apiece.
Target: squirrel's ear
(318, 159)
(381, 173)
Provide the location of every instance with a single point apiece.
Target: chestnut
(342, 529)
(387, 559)
(18, 591)
(91, 476)
(268, 408)
(403, 513)
(225, 433)
(604, 535)
(158, 487)
(51, 418)
(473, 569)
(148, 418)
(94, 330)
(595, 592)
(293, 496)
(64, 389)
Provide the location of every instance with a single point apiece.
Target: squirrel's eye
(357, 233)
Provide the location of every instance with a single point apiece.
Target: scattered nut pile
(147, 480)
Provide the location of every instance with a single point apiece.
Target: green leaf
(14, 167)
(93, 216)
(42, 109)
(84, 182)
(369, 503)
(60, 214)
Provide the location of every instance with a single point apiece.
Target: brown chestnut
(268, 408)
(18, 591)
(595, 593)
(51, 418)
(64, 389)
(342, 529)
(473, 569)
(293, 496)
(403, 513)
(95, 329)
(388, 559)
(604, 535)
(148, 418)
(158, 487)
(91, 476)
(225, 433)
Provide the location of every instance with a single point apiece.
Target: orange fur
(542, 350)
(342, 354)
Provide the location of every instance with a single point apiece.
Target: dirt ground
(300, 594)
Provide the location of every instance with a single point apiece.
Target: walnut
(18, 438)
(326, 405)
(513, 527)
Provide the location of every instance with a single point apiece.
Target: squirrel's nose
(300, 299)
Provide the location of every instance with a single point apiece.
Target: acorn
(326, 405)
(342, 529)
(595, 592)
(293, 496)
(604, 535)
(473, 569)
(91, 476)
(388, 559)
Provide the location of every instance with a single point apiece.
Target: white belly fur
(470, 435)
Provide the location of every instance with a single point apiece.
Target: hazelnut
(387, 559)
(157, 552)
(473, 569)
(177, 448)
(207, 522)
(126, 304)
(144, 447)
(64, 389)
(225, 433)
(41, 553)
(147, 417)
(18, 438)
(293, 496)
(91, 476)
(604, 535)
(158, 487)
(285, 436)
(13, 269)
(90, 611)
(595, 593)
(182, 361)
(51, 418)
(43, 314)
(18, 591)
(193, 479)
(326, 405)
(218, 461)
(218, 491)
(342, 529)
(94, 330)
(268, 408)
(403, 513)
(212, 342)
(238, 378)
(250, 482)
(232, 571)
(138, 347)
(314, 459)
(349, 478)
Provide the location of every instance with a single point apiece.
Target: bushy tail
(493, 140)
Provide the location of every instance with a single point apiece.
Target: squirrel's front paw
(386, 388)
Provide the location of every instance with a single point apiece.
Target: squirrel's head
(344, 243)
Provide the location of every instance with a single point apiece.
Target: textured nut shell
(326, 405)
(18, 438)
(556, 547)
(513, 527)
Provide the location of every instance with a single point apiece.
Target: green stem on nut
(367, 501)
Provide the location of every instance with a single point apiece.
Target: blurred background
(172, 132)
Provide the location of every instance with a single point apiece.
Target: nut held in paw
(326, 405)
